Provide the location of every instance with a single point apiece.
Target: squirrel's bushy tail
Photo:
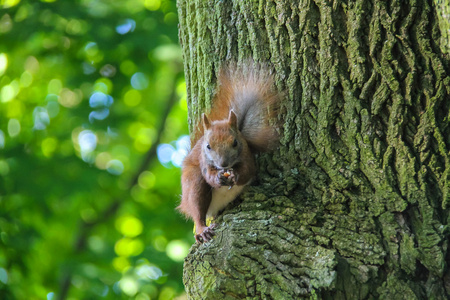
(248, 89)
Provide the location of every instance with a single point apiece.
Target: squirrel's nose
(225, 163)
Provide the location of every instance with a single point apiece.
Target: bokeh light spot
(103, 85)
(76, 27)
(3, 276)
(90, 270)
(177, 250)
(32, 65)
(6, 23)
(128, 247)
(134, 128)
(13, 127)
(183, 145)
(88, 214)
(99, 99)
(9, 3)
(52, 106)
(126, 26)
(54, 86)
(9, 91)
(152, 4)
(160, 243)
(48, 146)
(169, 52)
(129, 226)
(171, 18)
(98, 9)
(108, 70)
(181, 89)
(98, 115)
(115, 167)
(88, 68)
(127, 67)
(87, 141)
(139, 81)
(129, 285)
(41, 118)
(142, 296)
(73, 27)
(178, 157)
(3, 63)
(135, 6)
(165, 152)
(2, 139)
(4, 170)
(143, 139)
(102, 159)
(69, 98)
(111, 132)
(146, 180)
(25, 79)
(167, 293)
(132, 98)
(91, 49)
(183, 142)
(147, 271)
(96, 244)
(15, 109)
(121, 263)
(50, 296)
(183, 104)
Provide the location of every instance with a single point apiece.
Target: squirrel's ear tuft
(232, 119)
(206, 123)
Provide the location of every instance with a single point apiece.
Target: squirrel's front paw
(227, 178)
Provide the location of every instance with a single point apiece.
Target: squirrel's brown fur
(221, 161)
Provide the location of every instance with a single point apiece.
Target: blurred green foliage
(84, 87)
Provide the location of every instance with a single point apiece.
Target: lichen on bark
(354, 203)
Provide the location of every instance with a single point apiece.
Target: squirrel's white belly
(221, 197)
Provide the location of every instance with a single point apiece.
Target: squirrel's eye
(234, 143)
(208, 146)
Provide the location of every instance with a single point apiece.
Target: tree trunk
(354, 203)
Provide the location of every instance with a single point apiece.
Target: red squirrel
(221, 162)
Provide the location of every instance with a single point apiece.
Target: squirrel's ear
(206, 123)
(232, 119)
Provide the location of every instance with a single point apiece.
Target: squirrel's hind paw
(206, 235)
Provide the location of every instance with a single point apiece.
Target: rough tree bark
(354, 204)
